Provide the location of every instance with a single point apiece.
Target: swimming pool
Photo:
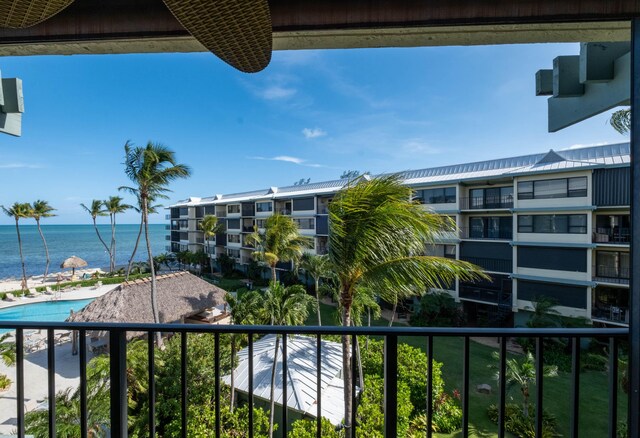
(45, 311)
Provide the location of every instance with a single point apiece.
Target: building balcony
(610, 274)
(618, 236)
(490, 264)
(486, 203)
(486, 234)
(115, 347)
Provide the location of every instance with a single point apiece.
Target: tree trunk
(318, 302)
(274, 278)
(525, 396)
(233, 371)
(135, 249)
(273, 387)
(154, 298)
(393, 311)
(113, 241)
(95, 225)
(24, 269)
(347, 371)
(46, 251)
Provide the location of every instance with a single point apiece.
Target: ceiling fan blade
(25, 13)
(237, 31)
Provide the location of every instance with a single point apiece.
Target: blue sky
(310, 114)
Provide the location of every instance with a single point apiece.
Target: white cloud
(313, 133)
(274, 92)
(20, 166)
(585, 145)
(289, 159)
(419, 147)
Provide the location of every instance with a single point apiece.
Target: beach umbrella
(73, 262)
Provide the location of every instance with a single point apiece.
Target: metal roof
(301, 375)
(551, 161)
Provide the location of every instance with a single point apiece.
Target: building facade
(553, 224)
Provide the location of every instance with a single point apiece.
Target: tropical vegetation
(317, 266)
(41, 209)
(7, 357)
(210, 226)
(151, 169)
(95, 210)
(377, 239)
(152, 209)
(19, 211)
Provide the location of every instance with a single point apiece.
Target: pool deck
(78, 294)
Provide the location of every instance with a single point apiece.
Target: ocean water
(67, 240)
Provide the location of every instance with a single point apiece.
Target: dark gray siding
(559, 259)
(611, 186)
(302, 204)
(322, 225)
(491, 256)
(221, 239)
(562, 294)
(248, 209)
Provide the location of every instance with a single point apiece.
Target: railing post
(391, 386)
(20, 380)
(51, 381)
(118, 374)
(634, 289)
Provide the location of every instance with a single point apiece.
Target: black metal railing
(486, 202)
(611, 274)
(486, 234)
(617, 314)
(117, 335)
(614, 235)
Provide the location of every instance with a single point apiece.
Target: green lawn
(557, 391)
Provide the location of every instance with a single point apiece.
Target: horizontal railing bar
(324, 330)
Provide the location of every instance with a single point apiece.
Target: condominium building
(552, 224)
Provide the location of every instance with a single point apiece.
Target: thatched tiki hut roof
(180, 295)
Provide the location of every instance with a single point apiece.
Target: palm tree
(151, 168)
(285, 306)
(153, 209)
(96, 210)
(17, 211)
(621, 121)
(210, 227)
(523, 374)
(114, 206)
(378, 237)
(281, 241)
(317, 266)
(544, 313)
(40, 209)
(247, 308)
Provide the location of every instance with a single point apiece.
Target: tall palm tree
(317, 266)
(40, 209)
(151, 169)
(285, 306)
(18, 211)
(114, 206)
(246, 308)
(210, 227)
(280, 241)
(378, 237)
(523, 373)
(96, 210)
(153, 209)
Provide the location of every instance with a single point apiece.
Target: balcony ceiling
(136, 26)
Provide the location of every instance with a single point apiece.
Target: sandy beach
(11, 284)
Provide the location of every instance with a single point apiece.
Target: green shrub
(370, 412)
(524, 426)
(202, 421)
(307, 429)
(5, 382)
(3, 295)
(438, 309)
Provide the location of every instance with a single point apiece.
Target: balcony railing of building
(486, 202)
(486, 234)
(612, 235)
(616, 314)
(486, 295)
(117, 346)
(611, 274)
(489, 264)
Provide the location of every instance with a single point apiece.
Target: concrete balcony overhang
(139, 26)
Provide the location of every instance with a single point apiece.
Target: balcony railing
(486, 234)
(117, 336)
(488, 264)
(611, 313)
(612, 235)
(486, 203)
(611, 274)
